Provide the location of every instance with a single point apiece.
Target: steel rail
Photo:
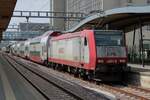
(124, 92)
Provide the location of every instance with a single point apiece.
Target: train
(91, 54)
(5, 49)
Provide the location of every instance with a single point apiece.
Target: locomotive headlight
(100, 61)
(122, 61)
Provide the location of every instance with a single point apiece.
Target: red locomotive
(97, 54)
(93, 54)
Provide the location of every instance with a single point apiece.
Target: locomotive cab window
(109, 38)
(110, 44)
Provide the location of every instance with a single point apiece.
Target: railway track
(127, 92)
(55, 91)
(138, 91)
(122, 92)
(59, 92)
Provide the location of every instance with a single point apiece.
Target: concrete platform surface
(13, 86)
(139, 68)
(139, 75)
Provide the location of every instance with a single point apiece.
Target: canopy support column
(1, 36)
(133, 44)
(141, 43)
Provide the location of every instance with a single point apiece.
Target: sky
(28, 5)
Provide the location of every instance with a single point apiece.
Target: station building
(57, 6)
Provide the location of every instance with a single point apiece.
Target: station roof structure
(119, 18)
(6, 11)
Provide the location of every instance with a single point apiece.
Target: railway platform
(13, 86)
(139, 75)
(139, 68)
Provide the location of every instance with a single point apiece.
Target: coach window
(85, 41)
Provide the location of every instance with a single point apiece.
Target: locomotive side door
(84, 50)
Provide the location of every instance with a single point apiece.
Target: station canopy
(126, 18)
(6, 11)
